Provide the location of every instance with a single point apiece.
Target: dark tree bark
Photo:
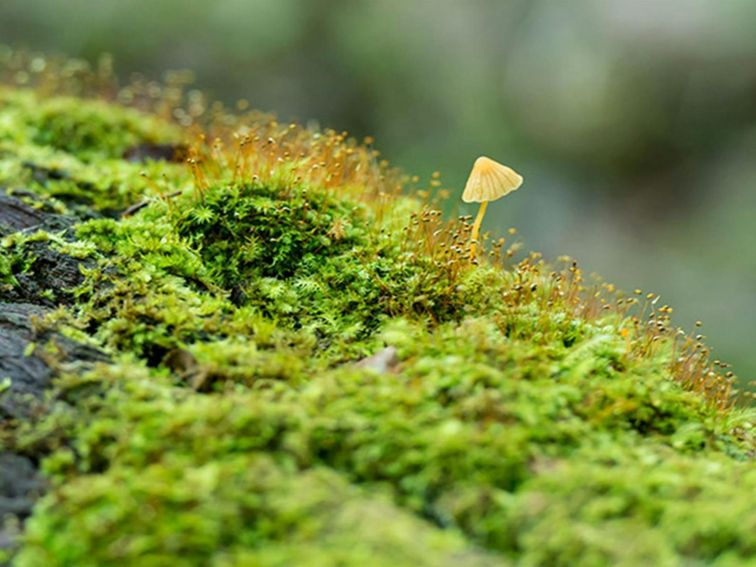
(26, 367)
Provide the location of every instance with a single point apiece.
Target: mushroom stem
(476, 229)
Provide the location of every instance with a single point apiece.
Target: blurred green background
(632, 121)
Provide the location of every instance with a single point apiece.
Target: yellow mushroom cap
(489, 180)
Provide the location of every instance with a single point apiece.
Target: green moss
(506, 448)
(88, 130)
(521, 421)
(247, 232)
(311, 259)
(8, 269)
(240, 510)
(72, 150)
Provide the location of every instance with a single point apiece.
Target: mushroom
(489, 180)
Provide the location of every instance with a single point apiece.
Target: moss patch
(530, 417)
(72, 153)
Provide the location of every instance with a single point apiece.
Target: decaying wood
(30, 357)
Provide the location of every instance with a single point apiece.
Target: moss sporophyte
(526, 414)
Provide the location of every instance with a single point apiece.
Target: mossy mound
(74, 154)
(526, 418)
(247, 232)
